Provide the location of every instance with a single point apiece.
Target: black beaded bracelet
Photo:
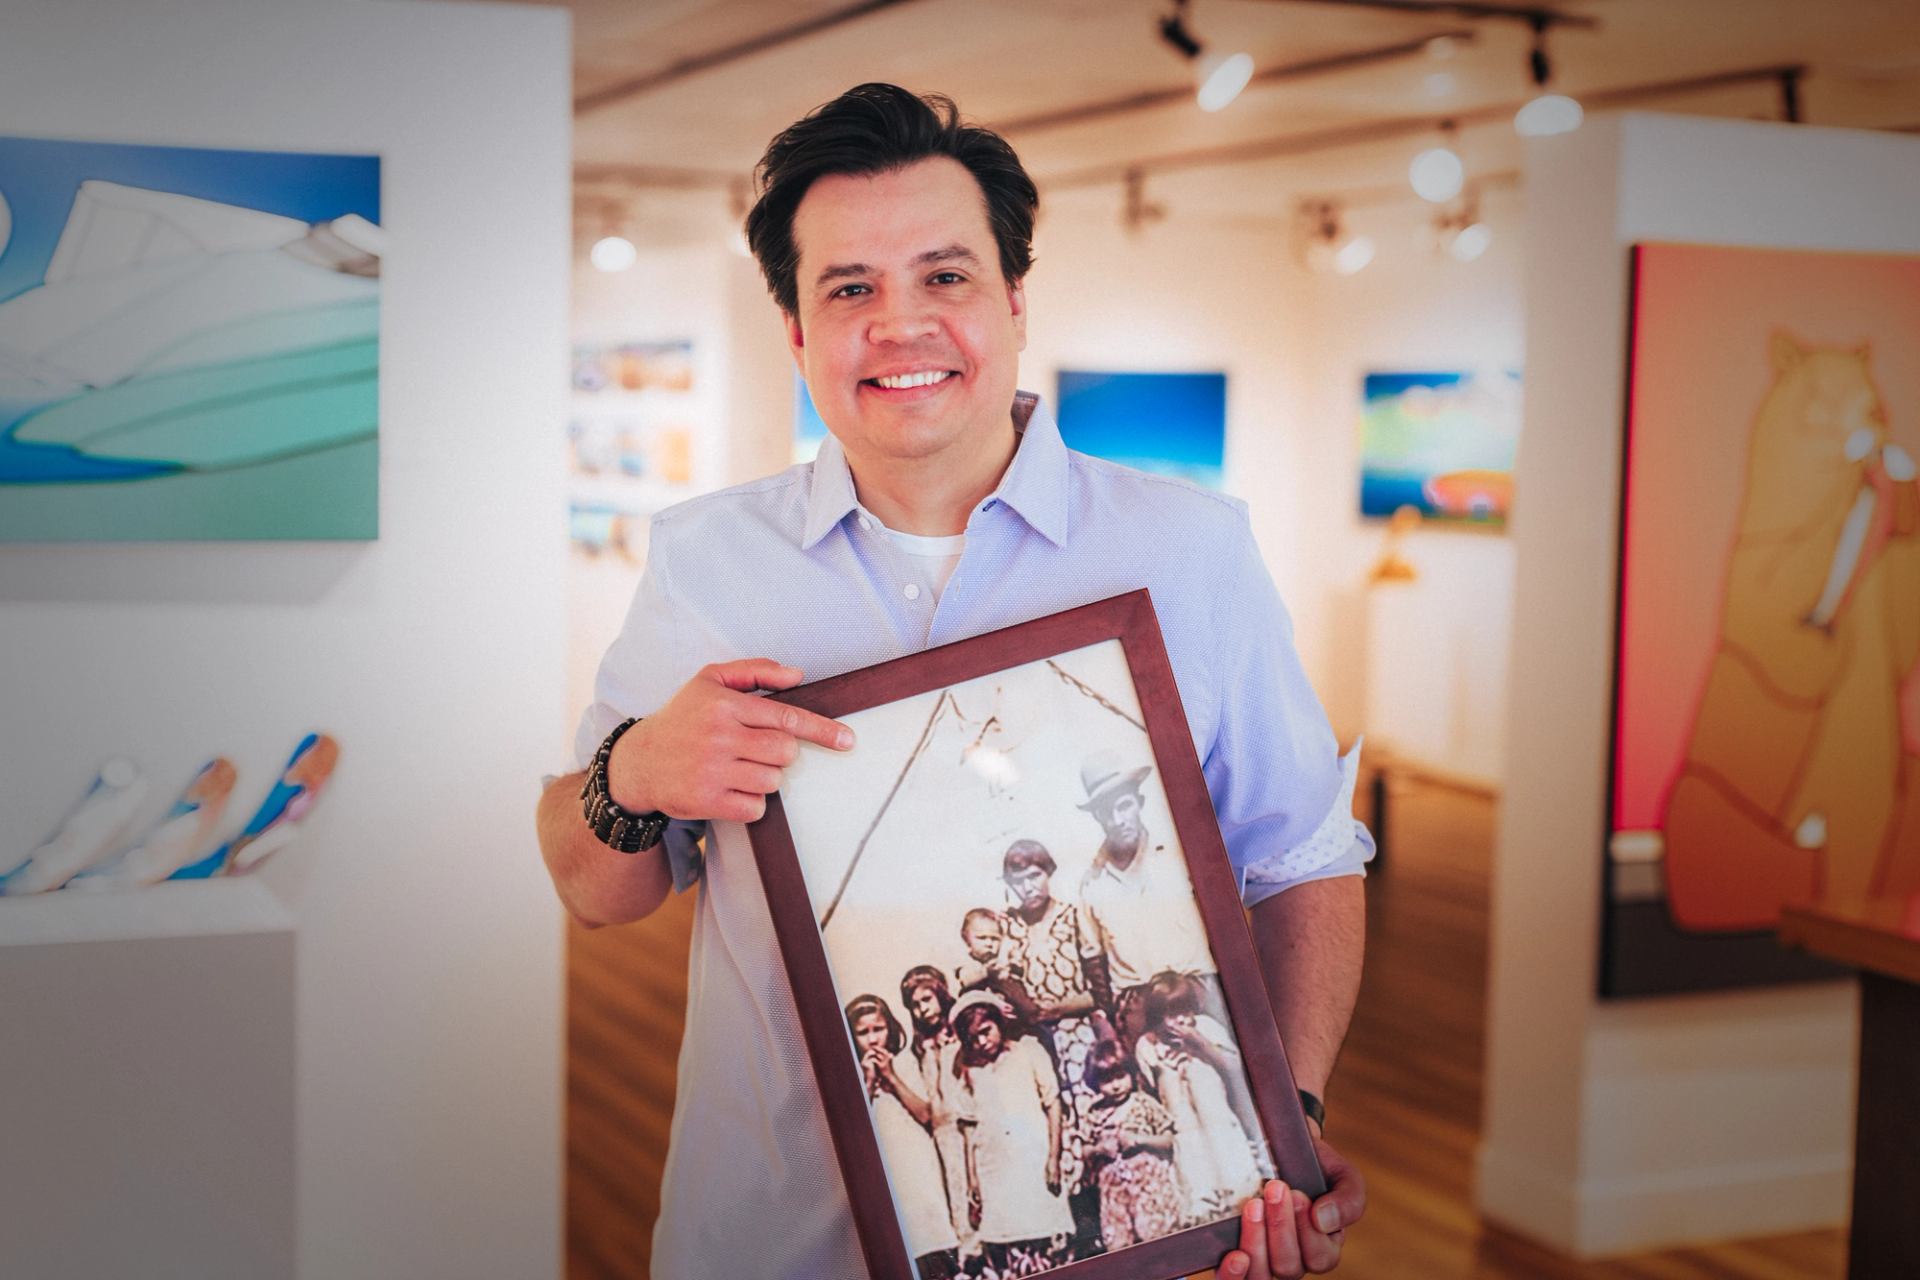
(611, 825)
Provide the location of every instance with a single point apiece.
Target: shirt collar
(1034, 486)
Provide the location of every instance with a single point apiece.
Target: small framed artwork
(1021, 964)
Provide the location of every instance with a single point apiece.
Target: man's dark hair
(878, 128)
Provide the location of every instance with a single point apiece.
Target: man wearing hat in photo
(1139, 899)
(895, 240)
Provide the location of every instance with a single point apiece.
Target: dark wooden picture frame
(1128, 619)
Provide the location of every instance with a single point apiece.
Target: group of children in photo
(1024, 1123)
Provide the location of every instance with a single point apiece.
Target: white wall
(1632, 1124)
(429, 966)
(1196, 294)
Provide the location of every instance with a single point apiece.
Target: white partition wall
(1630, 1124)
(399, 1091)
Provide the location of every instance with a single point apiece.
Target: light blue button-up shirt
(792, 568)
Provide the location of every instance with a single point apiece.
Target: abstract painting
(1173, 424)
(189, 343)
(1766, 732)
(1441, 443)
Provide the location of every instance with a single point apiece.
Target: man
(1138, 898)
(943, 505)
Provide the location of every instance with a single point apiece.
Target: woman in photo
(1055, 956)
(901, 1123)
(1010, 1114)
(1130, 1150)
(1188, 1058)
(928, 1000)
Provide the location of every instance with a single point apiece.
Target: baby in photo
(988, 966)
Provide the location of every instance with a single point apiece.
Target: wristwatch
(1315, 1109)
(613, 826)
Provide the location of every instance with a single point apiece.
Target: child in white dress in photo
(902, 1124)
(1010, 1112)
(1188, 1058)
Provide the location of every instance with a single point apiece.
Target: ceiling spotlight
(1326, 244)
(1459, 232)
(1548, 113)
(1218, 78)
(1222, 79)
(1438, 173)
(1470, 241)
(1440, 48)
(613, 253)
(1441, 84)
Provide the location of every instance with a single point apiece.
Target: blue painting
(189, 343)
(809, 431)
(1171, 423)
(1441, 443)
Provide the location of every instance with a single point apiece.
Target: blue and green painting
(189, 343)
(1442, 443)
(1171, 423)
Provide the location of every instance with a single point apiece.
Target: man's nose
(900, 321)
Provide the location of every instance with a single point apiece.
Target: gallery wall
(425, 1004)
(1193, 293)
(1629, 1124)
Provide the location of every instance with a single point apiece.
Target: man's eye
(849, 291)
(947, 277)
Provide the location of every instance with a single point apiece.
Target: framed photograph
(1021, 963)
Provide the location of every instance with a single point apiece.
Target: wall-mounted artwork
(809, 431)
(1441, 443)
(1767, 726)
(1174, 424)
(630, 440)
(189, 343)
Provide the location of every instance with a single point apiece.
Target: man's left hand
(1283, 1236)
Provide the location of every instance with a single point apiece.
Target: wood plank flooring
(1405, 1101)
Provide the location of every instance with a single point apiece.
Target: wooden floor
(1405, 1101)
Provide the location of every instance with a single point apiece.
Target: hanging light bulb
(1547, 113)
(1325, 243)
(1438, 173)
(1217, 78)
(1470, 241)
(1354, 255)
(1222, 78)
(613, 253)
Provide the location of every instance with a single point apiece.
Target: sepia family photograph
(1050, 1067)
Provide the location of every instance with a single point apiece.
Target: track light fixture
(1459, 232)
(1326, 246)
(1547, 113)
(1218, 78)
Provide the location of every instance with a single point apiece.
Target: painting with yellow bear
(1767, 719)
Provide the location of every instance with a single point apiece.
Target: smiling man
(895, 240)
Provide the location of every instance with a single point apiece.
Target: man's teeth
(906, 380)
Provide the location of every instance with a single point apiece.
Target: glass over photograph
(1038, 1019)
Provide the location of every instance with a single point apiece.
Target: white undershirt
(930, 560)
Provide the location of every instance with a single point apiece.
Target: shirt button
(911, 591)
(866, 524)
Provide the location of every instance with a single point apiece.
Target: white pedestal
(147, 1084)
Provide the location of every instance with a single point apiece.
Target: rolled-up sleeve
(1281, 790)
(641, 670)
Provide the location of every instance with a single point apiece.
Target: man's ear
(1017, 302)
(795, 339)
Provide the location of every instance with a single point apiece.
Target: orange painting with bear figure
(1767, 736)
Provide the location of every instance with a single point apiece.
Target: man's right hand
(715, 750)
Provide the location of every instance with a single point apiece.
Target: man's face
(899, 278)
(1121, 818)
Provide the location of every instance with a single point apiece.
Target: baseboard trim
(1602, 1217)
